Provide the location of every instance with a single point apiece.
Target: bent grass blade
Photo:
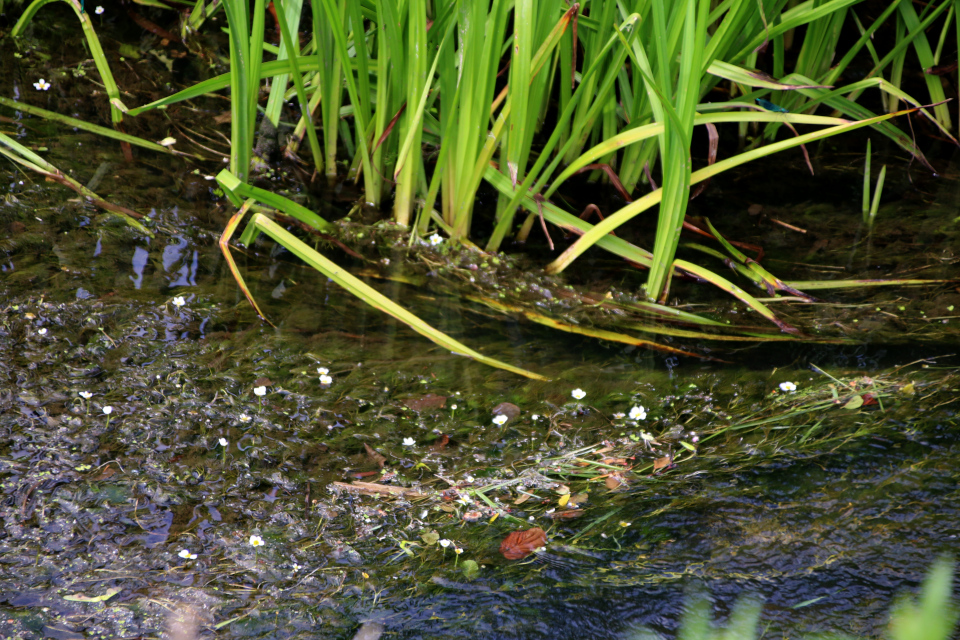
(21, 155)
(92, 128)
(626, 213)
(373, 297)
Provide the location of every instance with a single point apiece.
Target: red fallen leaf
(429, 401)
(869, 399)
(441, 443)
(520, 544)
(566, 515)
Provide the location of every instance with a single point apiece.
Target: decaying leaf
(506, 409)
(79, 597)
(429, 401)
(374, 456)
(520, 544)
(614, 481)
(854, 403)
(662, 463)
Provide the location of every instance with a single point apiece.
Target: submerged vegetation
(424, 102)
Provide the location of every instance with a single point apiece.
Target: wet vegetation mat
(154, 463)
(172, 464)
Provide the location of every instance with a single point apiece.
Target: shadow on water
(190, 461)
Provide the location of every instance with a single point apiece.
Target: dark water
(826, 531)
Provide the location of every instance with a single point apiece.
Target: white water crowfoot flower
(323, 371)
(409, 442)
(445, 543)
(638, 413)
(326, 380)
(500, 420)
(179, 302)
(41, 85)
(260, 391)
(435, 239)
(107, 410)
(86, 395)
(185, 554)
(256, 541)
(99, 11)
(224, 442)
(619, 415)
(788, 386)
(578, 394)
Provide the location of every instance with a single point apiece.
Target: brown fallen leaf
(614, 481)
(662, 463)
(441, 443)
(373, 488)
(507, 409)
(569, 514)
(520, 544)
(374, 456)
(262, 382)
(429, 401)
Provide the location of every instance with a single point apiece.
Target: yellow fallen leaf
(564, 499)
(102, 598)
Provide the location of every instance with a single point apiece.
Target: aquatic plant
(392, 78)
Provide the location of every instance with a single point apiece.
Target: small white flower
(42, 85)
(457, 550)
(295, 567)
(535, 417)
(579, 394)
(638, 413)
(86, 395)
(185, 553)
(624, 524)
(256, 541)
(468, 478)
(694, 438)
(325, 379)
(107, 410)
(260, 391)
(788, 386)
(244, 417)
(619, 415)
(98, 10)
(179, 301)
(435, 239)
(453, 407)
(323, 371)
(223, 442)
(42, 332)
(409, 442)
(500, 420)
(444, 543)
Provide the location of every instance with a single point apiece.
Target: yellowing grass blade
(602, 334)
(373, 297)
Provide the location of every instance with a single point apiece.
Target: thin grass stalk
(411, 129)
(291, 11)
(866, 183)
(675, 141)
(335, 17)
(876, 196)
(611, 222)
(922, 46)
(241, 116)
(331, 82)
(291, 44)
